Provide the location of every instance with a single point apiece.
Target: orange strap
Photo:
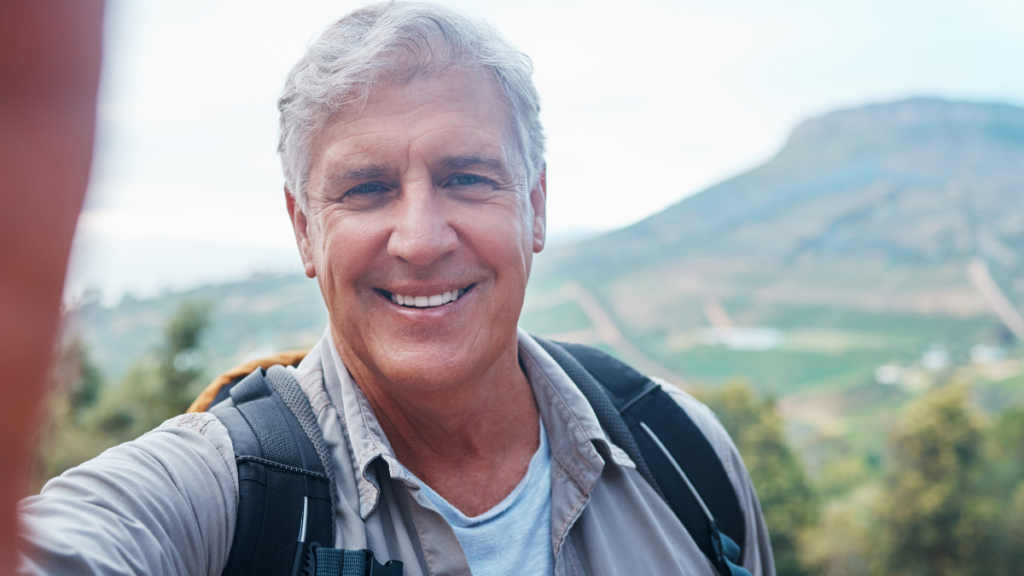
(203, 401)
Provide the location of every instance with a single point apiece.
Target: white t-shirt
(514, 537)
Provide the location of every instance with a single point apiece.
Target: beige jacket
(166, 503)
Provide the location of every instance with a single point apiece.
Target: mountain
(917, 181)
(876, 209)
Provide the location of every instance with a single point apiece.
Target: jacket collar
(573, 429)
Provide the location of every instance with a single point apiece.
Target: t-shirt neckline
(455, 516)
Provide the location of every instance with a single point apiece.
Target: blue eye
(366, 189)
(465, 180)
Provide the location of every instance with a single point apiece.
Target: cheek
(343, 246)
(501, 239)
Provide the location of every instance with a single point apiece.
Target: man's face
(420, 198)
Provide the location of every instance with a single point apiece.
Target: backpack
(286, 484)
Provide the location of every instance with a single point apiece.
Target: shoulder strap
(218, 389)
(670, 451)
(285, 480)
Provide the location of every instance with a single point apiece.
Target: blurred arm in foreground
(49, 73)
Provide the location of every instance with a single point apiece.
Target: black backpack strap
(285, 479)
(670, 451)
(607, 413)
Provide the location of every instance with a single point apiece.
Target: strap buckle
(320, 561)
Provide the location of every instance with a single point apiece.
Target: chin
(430, 365)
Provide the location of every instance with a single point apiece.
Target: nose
(422, 233)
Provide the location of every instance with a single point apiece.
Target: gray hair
(397, 41)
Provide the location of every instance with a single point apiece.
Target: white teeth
(427, 301)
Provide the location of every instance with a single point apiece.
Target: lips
(423, 301)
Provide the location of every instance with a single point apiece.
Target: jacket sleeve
(162, 504)
(757, 557)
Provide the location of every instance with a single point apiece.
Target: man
(415, 183)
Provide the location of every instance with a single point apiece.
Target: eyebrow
(370, 172)
(463, 162)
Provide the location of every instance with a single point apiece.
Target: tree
(86, 417)
(840, 543)
(159, 388)
(935, 517)
(1004, 480)
(74, 388)
(76, 376)
(787, 498)
(182, 358)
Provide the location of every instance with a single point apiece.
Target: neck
(471, 441)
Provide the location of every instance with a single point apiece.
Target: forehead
(457, 113)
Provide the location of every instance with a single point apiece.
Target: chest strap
(333, 562)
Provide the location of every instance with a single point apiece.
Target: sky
(644, 103)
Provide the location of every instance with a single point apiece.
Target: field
(811, 334)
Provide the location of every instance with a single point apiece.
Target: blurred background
(808, 214)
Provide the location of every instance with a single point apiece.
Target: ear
(301, 227)
(539, 200)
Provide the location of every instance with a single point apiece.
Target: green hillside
(249, 318)
(846, 252)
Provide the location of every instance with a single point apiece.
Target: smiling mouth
(432, 301)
